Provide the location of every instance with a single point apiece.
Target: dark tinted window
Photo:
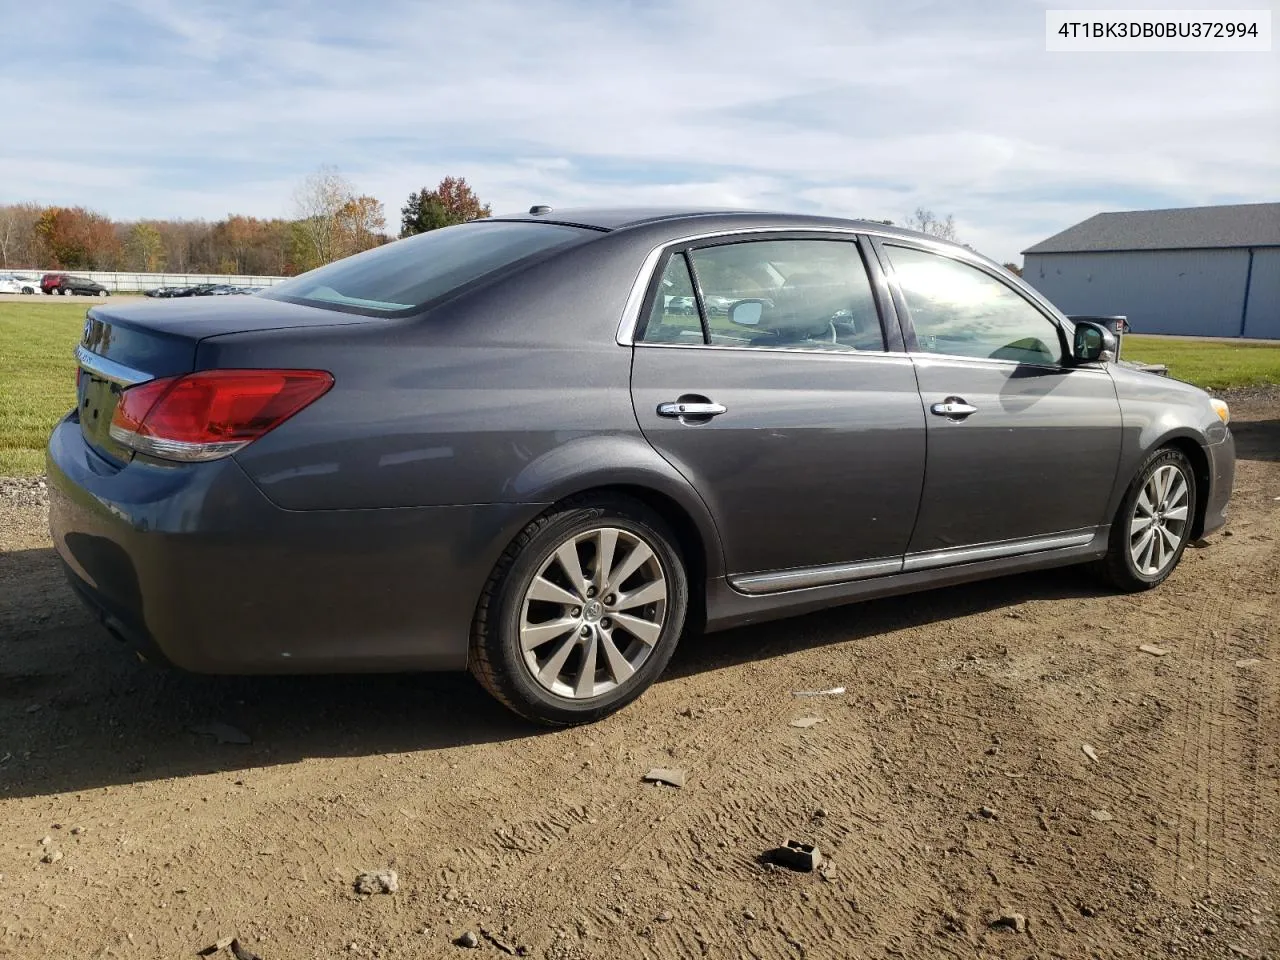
(412, 272)
(674, 317)
(960, 310)
(814, 295)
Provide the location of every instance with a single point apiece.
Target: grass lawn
(37, 378)
(1211, 364)
(37, 372)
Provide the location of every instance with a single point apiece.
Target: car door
(1023, 446)
(801, 431)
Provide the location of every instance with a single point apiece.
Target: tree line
(330, 219)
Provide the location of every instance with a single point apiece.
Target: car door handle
(689, 408)
(954, 408)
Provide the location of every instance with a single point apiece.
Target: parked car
(18, 283)
(491, 447)
(68, 285)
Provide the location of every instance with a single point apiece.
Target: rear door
(1023, 447)
(803, 432)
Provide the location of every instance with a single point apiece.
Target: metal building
(1204, 271)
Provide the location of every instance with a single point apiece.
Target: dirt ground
(950, 784)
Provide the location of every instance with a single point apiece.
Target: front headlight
(1221, 409)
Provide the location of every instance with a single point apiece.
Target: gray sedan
(544, 447)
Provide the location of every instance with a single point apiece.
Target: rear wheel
(1151, 529)
(103, 293)
(582, 613)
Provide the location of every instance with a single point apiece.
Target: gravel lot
(948, 787)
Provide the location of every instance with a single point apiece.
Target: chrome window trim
(640, 286)
(996, 361)
(105, 369)
(833, 574)
(856, 354)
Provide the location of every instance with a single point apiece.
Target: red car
(67, 286)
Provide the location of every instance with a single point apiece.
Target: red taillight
(207, 415)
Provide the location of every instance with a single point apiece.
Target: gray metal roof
(1187, 228)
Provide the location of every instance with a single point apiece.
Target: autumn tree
(1013, 268)
(363, 224)
(18, 234)
(318, 204)
(452, 201)
(145, 248)
(927, 222)
(77, 239)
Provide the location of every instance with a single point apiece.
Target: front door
(802, 433)
(1022, 446)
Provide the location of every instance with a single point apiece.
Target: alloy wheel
(593, 613)
(1160, 520)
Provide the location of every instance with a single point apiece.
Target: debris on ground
(665, 916)
(804, 722)
(501, 941)
(795, 855)
(1102, 816)
(672, 777)
(1006, 919)
(1089, 752)
(468, 940)
(384, 881)
(53, 856)
(988, 813)
(833, 692)
(216, 947)
(1152, 649)
(241, 952)
(1248, 662)
(222, 732)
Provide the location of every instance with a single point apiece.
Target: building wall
(1194, 292)
(1263, 319)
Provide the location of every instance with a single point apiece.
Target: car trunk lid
(131, 343)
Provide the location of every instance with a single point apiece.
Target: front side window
(813, 295)
(408, 274)
(959, 310)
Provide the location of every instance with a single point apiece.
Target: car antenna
(538, 209)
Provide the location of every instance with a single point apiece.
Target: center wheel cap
(592, 611)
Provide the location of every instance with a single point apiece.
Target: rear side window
(408, 274)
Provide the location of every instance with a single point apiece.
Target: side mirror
(1093, 342)
(746, 313)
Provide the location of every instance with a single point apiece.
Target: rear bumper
(1222, 467)
(194, 564)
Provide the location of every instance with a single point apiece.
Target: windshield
(408, 274)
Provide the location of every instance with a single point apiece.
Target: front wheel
(1151, 529)
(582, 612)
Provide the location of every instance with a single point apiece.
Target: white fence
(145, 281)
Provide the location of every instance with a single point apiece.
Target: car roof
(622, 218)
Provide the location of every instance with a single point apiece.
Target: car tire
(1161, 499)
(28, 291)
(104, 293)
(529, 601)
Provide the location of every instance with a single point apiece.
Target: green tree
(145, 248)
(452, 201)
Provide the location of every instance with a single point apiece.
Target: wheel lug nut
(586, 631)
(575, 612)
(591, 592)
(610, 599)
(606, 623)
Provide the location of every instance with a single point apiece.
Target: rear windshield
(408, 274)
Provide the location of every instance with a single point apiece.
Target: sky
(192, 109)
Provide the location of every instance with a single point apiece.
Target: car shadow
(1257, 439)
(79, 711)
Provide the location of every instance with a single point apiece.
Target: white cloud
(849, 108)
